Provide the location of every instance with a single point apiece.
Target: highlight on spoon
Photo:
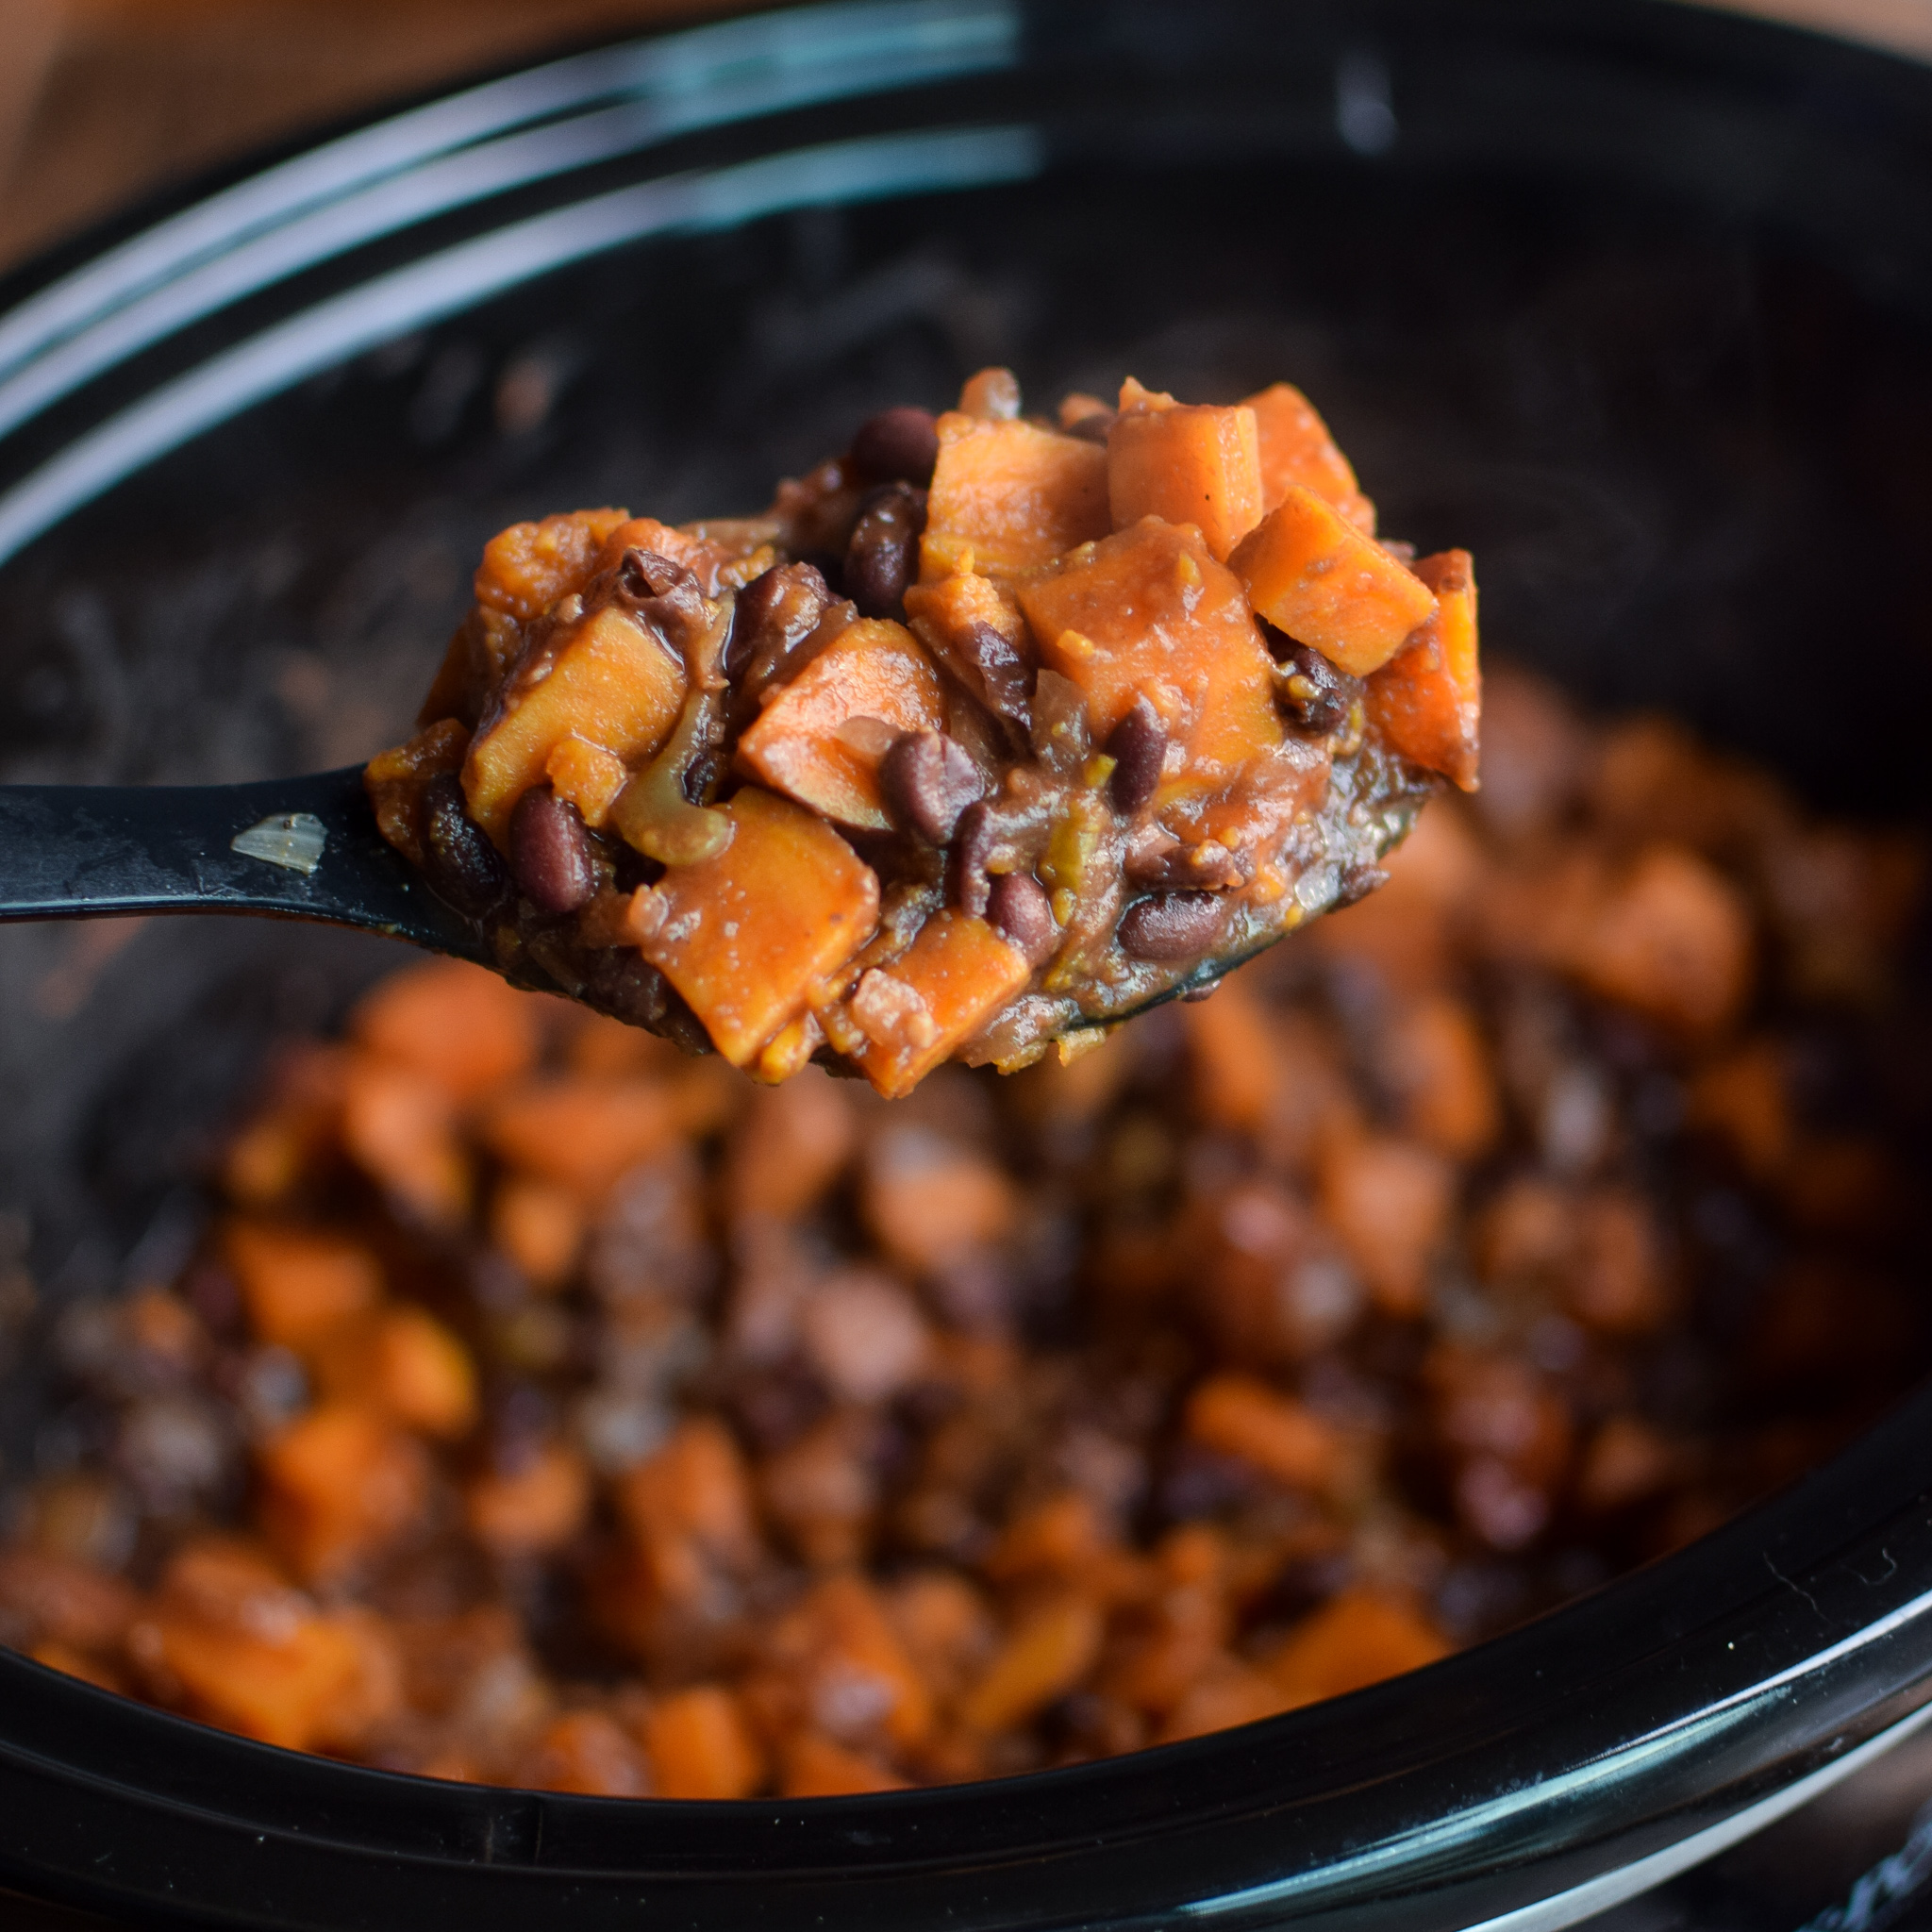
(989, 733)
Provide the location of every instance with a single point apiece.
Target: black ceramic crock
(1634, 299)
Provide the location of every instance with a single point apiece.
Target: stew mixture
(545, 1405)
(1098, 707)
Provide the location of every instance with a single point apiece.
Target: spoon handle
(307, 848)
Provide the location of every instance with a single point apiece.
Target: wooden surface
(100, 99)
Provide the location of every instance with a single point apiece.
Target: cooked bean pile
(547, 1406)
(1097, 708)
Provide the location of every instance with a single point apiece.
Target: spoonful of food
(990, 733)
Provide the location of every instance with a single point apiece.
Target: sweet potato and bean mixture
(547, 1405)
(990, 731)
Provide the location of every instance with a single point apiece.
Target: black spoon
(294, 848)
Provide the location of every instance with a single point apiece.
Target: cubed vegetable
(1296, 448)
(1240, 1416)
(956, 975)
(700, 1745)
(526, 568)
(743, 935)
(588, 776)
(609, 679)
(1428, 697)
(297, 1284)
(1311, 574)
(1198, 465)
(1356, 1639)
(822, 736)
(1010, 496)
(340, 1485)
(1150, 613)
(460, 1025)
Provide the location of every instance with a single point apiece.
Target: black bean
(664, 593)
(1020, 912)
(775, 613)
(1168, 927)
(550, 852)
(928, 780)
(1309, 688)
(1006, 672)
(462, 863)
(1092, 427)
(883, 556)
(621, 983)
(1136, 745)
(897, 446)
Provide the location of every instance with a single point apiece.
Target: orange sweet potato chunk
(526, 568)
(1355, 1639)
(812, 740)
(461, 1026)
(1240, 1416)
(1046, 1656)
(282, 1688)
(297, 1284)
(1312, 574)
(1189, 464)
(814, 1767)
(1149, 613)
(1297, 447)
(611, 681)
(588, 776)
(340, 1484)
(700, 1745)
(1427, 699)
(743, 935)
(1007, 497)
(582, 1133)
(958, 973)
(397, 1126)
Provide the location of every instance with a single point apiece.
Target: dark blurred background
(103, 99)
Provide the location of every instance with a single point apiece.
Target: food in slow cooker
(1096, 708)
(543, 1406)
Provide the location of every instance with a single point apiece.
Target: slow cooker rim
(1815, 1542)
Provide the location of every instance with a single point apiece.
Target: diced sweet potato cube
(584, 1751)
(1150, 613)
(1240, 1416)
(814, 1767)
(811, 742)
(1046, 1656)
(1010, 496)
(533, 1509)
(1427, 699)
(1191, 464)
(691, 1503)
(958, 973)
(790, 1147)
(743, 935)
(1674, 940)
(1296, 448)
(974, 627)
(399, 1128)
(464, 1026)
(63, 1600)
(526, 568)
(284, 1688)
(700, 1745)
(582, 1134)
(611, 681)
(1356, 1639)
(1227, 1693)
(588, 776)
(1436, 1064)
(930, 1202)
(1311, 574)
(419, 1372)
(341, 1484)
(834, 1662)
(1390, 1202)
(297, 1284)
(539, 1226)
